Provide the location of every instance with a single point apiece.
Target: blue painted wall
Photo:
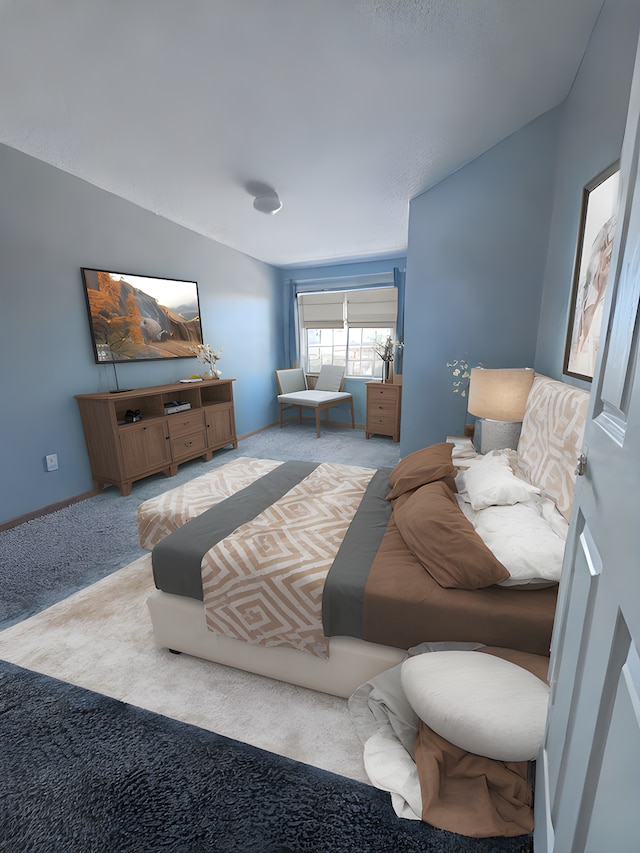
(52, 224)
(591, 132)
(475, 263)
(355, 387)
(491, 248)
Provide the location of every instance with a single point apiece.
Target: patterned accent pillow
(551, 439)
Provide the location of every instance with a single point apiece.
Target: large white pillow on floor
(478, 702)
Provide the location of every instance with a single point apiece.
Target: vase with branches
(387, 352)
(209, 358)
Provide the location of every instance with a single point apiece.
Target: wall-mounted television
(141, 318)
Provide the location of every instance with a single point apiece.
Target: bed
(324, 575)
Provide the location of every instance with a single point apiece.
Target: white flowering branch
(208, 356)
(461, 375)
(387, 351)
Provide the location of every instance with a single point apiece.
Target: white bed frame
(179, 624)
(555, 420)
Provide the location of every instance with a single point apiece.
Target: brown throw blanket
(470, 794)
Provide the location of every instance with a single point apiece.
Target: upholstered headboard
(551, 438)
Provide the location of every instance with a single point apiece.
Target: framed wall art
(590, 272)
(141, 318)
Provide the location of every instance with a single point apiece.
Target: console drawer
(184, 423)
(188, 445)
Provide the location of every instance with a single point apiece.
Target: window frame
(366, 354)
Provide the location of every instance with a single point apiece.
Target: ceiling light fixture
(268, 202)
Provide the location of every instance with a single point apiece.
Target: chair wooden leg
(318, 423)
(353, 419)
(299, 414)
(281, 407)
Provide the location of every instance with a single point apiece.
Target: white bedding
(523, 529)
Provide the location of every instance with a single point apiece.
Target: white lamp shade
(499, 395)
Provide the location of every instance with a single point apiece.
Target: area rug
(101, 638)
(84, 772)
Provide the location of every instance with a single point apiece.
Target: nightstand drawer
(386, 421)
(383, 392)
(382, 407)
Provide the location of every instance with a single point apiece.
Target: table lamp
(498, 399)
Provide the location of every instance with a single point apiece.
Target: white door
(588, 773)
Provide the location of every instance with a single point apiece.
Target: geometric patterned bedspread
(160, 516)
(263, 583)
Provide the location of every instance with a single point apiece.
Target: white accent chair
(293, 391)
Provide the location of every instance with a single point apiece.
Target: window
(344, 327)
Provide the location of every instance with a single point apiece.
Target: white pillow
(478, 702)
(523, 541)
(489, 481)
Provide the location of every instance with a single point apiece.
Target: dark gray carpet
(46, 560)
(83, 773)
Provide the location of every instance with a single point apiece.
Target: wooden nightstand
(383, 409)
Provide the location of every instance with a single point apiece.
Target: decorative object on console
(591, 268)
(498, 399)
(141, 318)
(209, 357)
(174, 406)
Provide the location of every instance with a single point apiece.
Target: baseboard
(256, 431)
(47, 510)
(311, 422)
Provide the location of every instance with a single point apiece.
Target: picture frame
(141, 318)
(591, 266)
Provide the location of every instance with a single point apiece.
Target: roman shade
(367, 308)
(322, 310)
(373, 309)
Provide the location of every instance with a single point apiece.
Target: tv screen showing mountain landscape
(141, 318)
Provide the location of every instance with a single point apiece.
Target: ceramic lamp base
(496, 435)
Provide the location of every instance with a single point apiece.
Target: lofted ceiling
(347, 108)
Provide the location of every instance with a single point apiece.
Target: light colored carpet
(100, 638)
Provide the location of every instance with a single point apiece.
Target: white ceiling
(348, 108)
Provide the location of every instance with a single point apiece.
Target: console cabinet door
(221, 428)
(145, 447)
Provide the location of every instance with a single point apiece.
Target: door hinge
(581, 466)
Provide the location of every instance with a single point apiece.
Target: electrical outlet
(51, 462)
